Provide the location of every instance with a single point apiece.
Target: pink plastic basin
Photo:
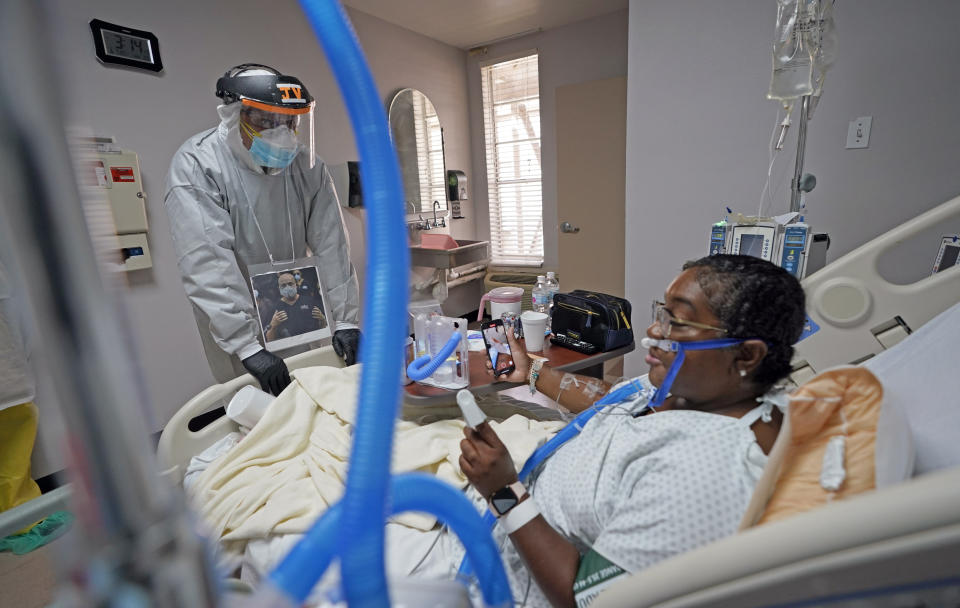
(437, 241)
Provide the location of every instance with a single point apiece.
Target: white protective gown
(213, 188)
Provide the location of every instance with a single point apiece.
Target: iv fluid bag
(804, 48)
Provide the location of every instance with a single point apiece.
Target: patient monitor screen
(751, 244)
(949, 259)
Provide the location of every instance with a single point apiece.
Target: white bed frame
(907, 534)
(858, 310)
(178, 444)
(898, 546)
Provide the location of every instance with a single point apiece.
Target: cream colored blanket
(293, 463)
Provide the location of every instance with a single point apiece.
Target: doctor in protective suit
(249, 192)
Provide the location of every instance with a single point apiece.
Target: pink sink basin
(437, 241)
(441, 251)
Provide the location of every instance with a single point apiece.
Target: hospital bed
(899, 544)
(903, 539)
(888, 544)
(895, 546)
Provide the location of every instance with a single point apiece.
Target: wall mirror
(418, 137)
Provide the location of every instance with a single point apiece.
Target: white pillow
(894, 452)
(921, 382)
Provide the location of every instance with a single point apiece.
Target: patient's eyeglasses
(665, 320)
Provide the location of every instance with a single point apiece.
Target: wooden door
(591, 176)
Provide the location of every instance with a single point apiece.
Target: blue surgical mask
(288, 291)
(275, 148)
(270, 155)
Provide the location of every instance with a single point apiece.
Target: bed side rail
(859, 312)
(178, 444)
(902, 535)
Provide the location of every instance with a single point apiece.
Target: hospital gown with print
(639, 490)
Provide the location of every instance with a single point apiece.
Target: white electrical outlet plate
(858, 133)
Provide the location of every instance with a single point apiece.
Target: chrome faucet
(423, 224)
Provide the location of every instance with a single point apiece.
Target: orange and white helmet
(275, 109)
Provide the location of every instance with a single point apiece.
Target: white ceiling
(469, 23)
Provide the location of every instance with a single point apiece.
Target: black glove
(346, 343)
(269, 370)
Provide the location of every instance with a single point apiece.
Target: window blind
(429, 138)
(511, 128)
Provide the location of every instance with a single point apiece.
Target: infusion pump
(792, 246)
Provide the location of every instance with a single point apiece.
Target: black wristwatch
(507, 498)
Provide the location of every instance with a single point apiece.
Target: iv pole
(801, 183)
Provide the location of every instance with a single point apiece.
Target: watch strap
(519, 516)
(519, 491)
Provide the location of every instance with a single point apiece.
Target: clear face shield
(276, 135)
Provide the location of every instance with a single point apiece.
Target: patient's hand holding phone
(498, 347)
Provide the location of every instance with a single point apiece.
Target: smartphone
(498, 349)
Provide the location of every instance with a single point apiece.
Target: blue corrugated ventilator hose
(307, 561)
(353, 529)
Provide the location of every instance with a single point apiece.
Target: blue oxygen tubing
(681, 349)
(353, 529)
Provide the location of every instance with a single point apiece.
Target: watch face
(503, 500)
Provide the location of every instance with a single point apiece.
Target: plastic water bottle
(540, 296)
(553, 287)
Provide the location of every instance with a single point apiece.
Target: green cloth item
(48, 530)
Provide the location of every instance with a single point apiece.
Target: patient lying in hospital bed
(639, 485)
(898, 545)
(627, 492)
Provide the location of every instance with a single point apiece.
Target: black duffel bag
(595, 318)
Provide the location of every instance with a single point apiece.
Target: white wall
(593, 49)
(154, 114)
(698, 126)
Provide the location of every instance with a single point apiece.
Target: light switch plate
(858, 133)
